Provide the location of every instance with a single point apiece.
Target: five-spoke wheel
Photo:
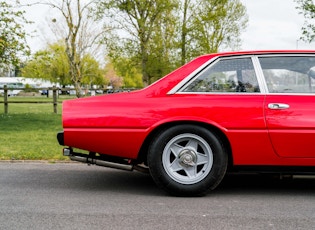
(187, 160)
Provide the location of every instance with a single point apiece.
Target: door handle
(278, 106)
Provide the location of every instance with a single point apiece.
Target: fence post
(55, 99)
(5, 94)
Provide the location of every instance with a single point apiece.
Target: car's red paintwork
(119, 124)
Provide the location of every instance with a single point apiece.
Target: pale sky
(273, 24)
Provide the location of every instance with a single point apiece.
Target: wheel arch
(142, 156)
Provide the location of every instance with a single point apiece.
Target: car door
(290, 104)
(229, 93)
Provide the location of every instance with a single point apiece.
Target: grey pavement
(39, 195)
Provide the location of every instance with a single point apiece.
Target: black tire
(187, 160)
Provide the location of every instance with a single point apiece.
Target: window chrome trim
(220, 93)
(292, 94)
(260, 75)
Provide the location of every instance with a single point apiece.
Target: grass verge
(28, 132)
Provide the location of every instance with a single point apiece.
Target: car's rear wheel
(187, 160)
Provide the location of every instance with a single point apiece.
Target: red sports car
(218, 113)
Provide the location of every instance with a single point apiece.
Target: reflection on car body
(220, 112)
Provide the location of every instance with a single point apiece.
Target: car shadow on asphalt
(112, 180)
(267, 184)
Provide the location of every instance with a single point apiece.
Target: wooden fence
(6, 94)
(55, 93)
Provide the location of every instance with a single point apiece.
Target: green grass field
(28, 131)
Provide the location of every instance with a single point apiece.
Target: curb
(36, 162)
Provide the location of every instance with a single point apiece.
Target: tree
(79, 33)
(12, 35)
(92, 73)
(111, 76)
(184, 30)
(162, 48)
(51, 64)
(307, 8)
(208, 25)
(126, 69)
(138, 20)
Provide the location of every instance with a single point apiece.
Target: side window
(227, 75)
(289, 74)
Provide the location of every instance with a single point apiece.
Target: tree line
(139, 41)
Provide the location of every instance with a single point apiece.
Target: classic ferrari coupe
(219, 113)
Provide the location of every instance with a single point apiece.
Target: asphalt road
(76, 196)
